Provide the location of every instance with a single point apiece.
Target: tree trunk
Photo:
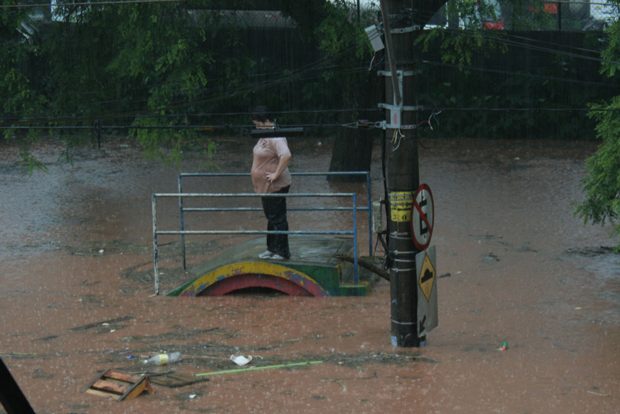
(352, 152)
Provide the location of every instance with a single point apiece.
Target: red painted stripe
(238, 282)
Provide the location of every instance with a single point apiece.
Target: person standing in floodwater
(270, 175)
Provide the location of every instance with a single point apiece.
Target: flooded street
(514, 265)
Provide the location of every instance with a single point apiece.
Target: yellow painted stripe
(260, 267)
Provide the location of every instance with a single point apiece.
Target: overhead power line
(368, 124)
(93, 3)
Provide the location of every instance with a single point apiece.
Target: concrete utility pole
(402, 169)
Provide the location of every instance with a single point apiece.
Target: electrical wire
(297, 75)
(519, 74)
(396, 137)
(147, 113)
(359, 69)
(120, 2)
(531, 44)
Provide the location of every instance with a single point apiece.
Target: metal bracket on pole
(403, 72)
(403, 107)
(397, 270)
(403, 253)
(409, 29)
(396, 110)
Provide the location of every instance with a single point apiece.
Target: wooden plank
(174, 380)
(137, 389)
(123, 376)
(111, 385)
(119, 384)
(100, 393)
(93, 381)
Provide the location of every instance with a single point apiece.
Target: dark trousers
(275, 212)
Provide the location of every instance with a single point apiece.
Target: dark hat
(260, 113)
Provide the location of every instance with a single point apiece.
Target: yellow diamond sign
(426, 279)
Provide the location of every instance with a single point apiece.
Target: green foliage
(20, 101)
(29, 162)
(517, 94)
(459, 46)
(343, 41)
(157, 48)
(602, 185)
(113, 63)
(611, 53)
(75, 56)
(531, 15)
(308, 14)
(337, 33)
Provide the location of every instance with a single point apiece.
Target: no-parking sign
(422, 217)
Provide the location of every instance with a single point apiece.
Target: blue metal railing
(184, 232)
(183, 209)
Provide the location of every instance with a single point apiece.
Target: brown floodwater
(514, 265)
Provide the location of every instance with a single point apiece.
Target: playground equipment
(311, 271)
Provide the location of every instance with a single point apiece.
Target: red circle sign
(422, 217)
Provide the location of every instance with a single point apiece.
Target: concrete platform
(311, 271)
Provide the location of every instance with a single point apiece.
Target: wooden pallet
(121, 384)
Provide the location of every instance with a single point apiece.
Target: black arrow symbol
(421, 323)
(428, 275)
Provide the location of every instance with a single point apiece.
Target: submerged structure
(312, 270)
(323, 262)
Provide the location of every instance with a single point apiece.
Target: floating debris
(490, 257)
(241, 360)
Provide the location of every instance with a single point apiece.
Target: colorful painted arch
(248, 274)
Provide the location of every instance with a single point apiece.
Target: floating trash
(241, 360)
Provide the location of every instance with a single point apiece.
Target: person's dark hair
(261, 114)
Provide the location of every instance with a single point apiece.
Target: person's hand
(271, 177)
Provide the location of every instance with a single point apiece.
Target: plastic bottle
(163, 359)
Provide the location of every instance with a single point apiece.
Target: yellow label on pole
(401, 203)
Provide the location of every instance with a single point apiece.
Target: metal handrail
(310, 173)
(183, 232)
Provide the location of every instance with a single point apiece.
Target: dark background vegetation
(169, 65)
